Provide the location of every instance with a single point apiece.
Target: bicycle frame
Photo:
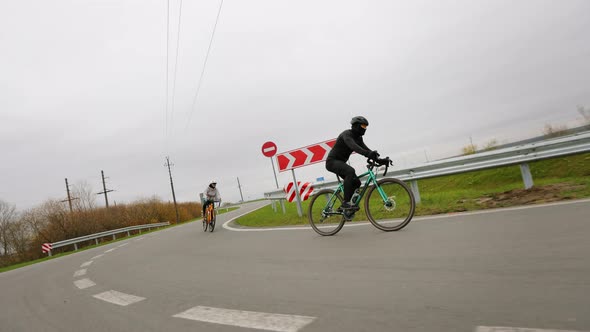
(210, 209)
(372, 179)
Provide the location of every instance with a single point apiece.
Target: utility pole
(70, 199)
(240, 187)
(172, 185)
(105, 191)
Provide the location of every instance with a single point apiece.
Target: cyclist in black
(348, 141)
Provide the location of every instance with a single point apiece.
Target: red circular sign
(269, 149)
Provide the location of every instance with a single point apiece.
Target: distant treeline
(22, 234)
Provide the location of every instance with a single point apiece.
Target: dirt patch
(535, 195)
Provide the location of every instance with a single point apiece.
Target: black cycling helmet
(360, 120)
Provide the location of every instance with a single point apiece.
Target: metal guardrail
(517, 155)
(96, 236)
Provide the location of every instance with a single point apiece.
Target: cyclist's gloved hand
(373, 155)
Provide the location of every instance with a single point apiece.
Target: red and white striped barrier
(46, 247)
(305, 190)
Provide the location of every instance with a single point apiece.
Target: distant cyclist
(348, 141)
(210, 196)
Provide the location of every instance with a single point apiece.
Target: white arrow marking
(327, 148)
(309, 156)
(291, 161)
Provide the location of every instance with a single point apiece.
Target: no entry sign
(269, 149)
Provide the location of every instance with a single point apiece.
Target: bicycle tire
(315, 217)
(212, 222)
(207, 218)
(390, 216)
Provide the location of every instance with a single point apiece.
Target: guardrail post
(114, 237)
(128, 233)
(527, 177)
(415, 190)
(75, 246)
(49, 253)
(96, 241)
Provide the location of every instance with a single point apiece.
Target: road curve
(513, 268)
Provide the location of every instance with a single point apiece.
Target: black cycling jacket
(346, 143)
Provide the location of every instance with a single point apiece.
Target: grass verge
(555, 179)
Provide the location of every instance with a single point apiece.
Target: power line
(167, 69)
(175, 65)
(204, 66)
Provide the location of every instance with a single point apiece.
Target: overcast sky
(83, 86)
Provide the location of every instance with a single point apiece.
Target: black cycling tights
(351, 182)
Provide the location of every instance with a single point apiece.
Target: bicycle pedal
(348, 215)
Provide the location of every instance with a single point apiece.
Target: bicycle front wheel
(322, 214)
(396, 210)
(212, 223)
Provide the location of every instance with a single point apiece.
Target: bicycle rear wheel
(394, 213)
(322, 212)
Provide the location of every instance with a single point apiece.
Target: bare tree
(20, 235)
(36, 222)
(491, 145)
(7, 217)
(469, 149)
(554, 130)
(585, 112)
(86, 196)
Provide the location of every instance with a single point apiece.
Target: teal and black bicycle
(389, 204)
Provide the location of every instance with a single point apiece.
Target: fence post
(415, 190)
(527, 177)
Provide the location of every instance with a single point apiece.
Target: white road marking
(514, 329)
(110, 250)
(97, 256)
(122, 245)
(442, 216)
(84, 283)
(79, 273)
(118, 298)
(85, 264)
(248, 319)
(139, 239)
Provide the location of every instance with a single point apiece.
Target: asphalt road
(527, 268)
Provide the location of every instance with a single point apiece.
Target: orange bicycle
(210, 216)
